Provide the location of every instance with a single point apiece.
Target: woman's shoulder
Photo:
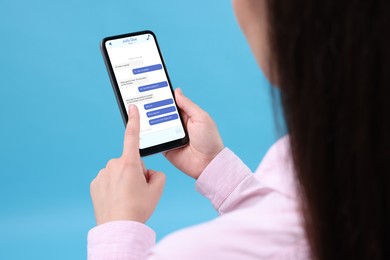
(276, 170)
(269, 230)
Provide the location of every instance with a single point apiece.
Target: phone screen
(139, 77)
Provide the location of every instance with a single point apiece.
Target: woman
(323, 192)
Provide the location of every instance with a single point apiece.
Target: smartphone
(139, 76)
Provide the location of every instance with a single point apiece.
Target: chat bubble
(129, 64)
(147, 69)
(153, 86)
(158, 103)
(163, 119)
(139, 99)
(161, 111)
(134, 81)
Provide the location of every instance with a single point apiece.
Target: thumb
(131, 139)
(156, 181)
(186, 105)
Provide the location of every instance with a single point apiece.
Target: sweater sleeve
(120, 240)
(226, 182)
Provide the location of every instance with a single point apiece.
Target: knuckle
(129, 162)
(92, 186)
(99, 175)
(93, 183)
(111, 163)
(206, 115)
(131, 131)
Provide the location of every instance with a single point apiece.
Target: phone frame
(160, 147)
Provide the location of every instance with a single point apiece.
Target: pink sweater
(259, 217)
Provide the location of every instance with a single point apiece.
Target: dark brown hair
(331, 61)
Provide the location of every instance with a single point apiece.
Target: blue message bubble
(161, 111)
(163, 119)
(153, 86)
(147, 69)
(158, 103)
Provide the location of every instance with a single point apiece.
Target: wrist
(207, 161)
(121, 217)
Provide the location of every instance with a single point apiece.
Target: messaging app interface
(142, 81)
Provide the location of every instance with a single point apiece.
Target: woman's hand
(125, 190)
(205, 141)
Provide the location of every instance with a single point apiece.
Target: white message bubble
(139, 99)
(134, 81)
(129, 64)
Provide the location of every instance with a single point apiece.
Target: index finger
(131, 139)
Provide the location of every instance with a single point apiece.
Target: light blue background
(60, 122)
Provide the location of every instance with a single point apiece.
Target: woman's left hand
(124, 189)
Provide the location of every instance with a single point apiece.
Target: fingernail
(180, 91)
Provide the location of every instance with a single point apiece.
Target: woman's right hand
(205, 141)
